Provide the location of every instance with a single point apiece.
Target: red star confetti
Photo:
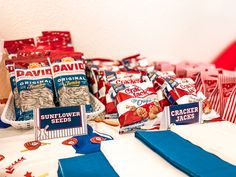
(28, 174)
(1, 157)
(97, 139)
(70, 142)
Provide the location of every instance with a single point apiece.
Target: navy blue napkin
(189, 158)
(90, 165)
(3, 125)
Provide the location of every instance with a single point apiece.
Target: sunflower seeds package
(11, 69)
(34, 84)
(70, 80)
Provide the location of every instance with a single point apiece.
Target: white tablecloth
(130, 157)
(127, 155)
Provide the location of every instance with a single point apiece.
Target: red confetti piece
(1, 157)
(70, 142)
(97, 139)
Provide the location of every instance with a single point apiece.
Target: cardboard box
(5, 87)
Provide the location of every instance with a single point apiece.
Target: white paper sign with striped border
(182, 114)
(59, 122)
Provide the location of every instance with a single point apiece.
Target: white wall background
(171, 30)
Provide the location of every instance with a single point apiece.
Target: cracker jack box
(182, 114)
(58, 122)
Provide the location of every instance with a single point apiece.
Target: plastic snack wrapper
(182, 91)
(13, 46)
(34, 84)
(11, 70)
(118, 77)
(71, 84)
(178, 91)
(131, 62)
(136, 63)
(57, 40)
(63, 34)
(93, 68)
(192, 95)
(156, 78)
(137, 105)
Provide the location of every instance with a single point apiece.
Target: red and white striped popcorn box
(193, 73)
(205, 65)
(158, 64)
(198, 83)
(209, 81)
(229, 73)
(196, 75)
(180, 70)
(226, 85)
(214, 99)
(230, 108)
(167, 67)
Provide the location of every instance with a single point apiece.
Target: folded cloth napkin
(90, 165)
(217, 138)
(3, 125)
(85, 146)
(186, 156)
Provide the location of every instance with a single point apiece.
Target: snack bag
(53, 41)
(131, 62)
(104, 63)
(34, 51)
(192, 95)
(93, 68)
(113, 78)
(70, 80)
(34, 84)
(92, 79)
(63, 34)
(13, 46)
(11, 69)
(137, 104)
(157, 79)
(184, 91)
(166, 83)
